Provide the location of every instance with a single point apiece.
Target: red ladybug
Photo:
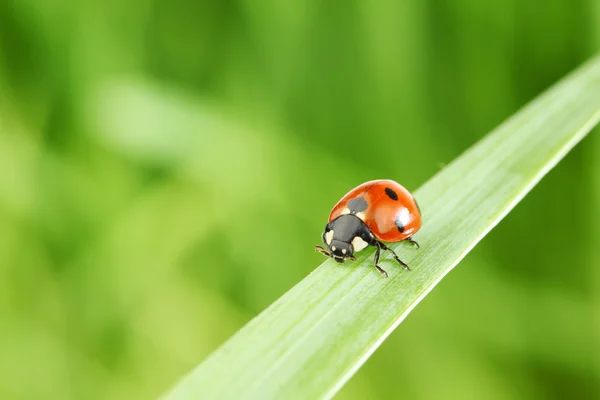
(376, 211)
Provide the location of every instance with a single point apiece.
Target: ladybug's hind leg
(381, 246)
(414, 243)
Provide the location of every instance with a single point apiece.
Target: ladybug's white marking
(403, 217)
(361, 216)
(332, 248)
(358, 243)
(345, 211)
(343, 251)
(329, 237)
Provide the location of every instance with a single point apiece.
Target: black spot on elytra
(393, 195)
(357, 205)
(399, 226)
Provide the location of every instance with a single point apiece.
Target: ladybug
(368, 215)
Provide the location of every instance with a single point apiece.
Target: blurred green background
(166, 169)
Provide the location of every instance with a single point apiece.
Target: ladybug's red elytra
(368, 215)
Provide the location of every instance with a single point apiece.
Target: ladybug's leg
(411, 241)
(321, 250)
(376, 260)
(384, 247)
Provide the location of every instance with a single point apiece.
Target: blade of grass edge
(315, 337)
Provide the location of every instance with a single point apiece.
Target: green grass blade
(308, 343)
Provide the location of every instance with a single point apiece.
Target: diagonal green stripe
(308, 343)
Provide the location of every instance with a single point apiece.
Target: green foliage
(308, 343)
(167, 168)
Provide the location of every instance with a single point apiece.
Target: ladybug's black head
(340, 250)
(344, 236)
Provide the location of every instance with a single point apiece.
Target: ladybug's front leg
(384, 247)
(320, 249)
(376, 260)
